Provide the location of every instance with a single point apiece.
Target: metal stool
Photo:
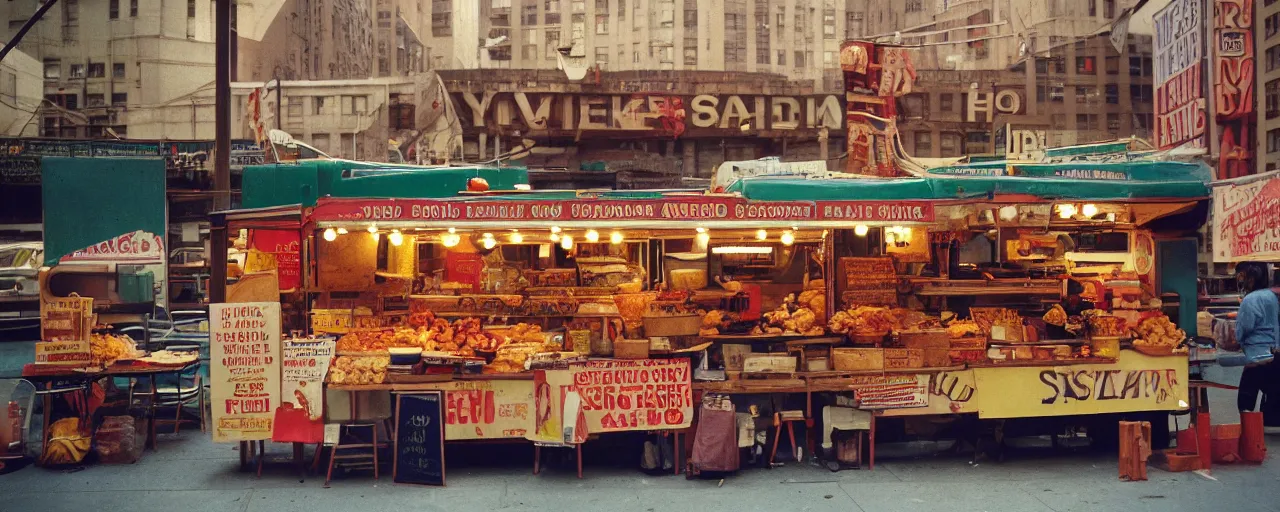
(355, 460)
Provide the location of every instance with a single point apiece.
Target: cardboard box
(900, 358)
(925, 339)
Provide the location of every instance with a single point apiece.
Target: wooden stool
(1135, 449)
(537, 456)
(360, 460)
(789, 418)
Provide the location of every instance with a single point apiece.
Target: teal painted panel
(1178, 271)
(91, 200)
(285, 184)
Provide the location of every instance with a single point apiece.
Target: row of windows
(72, 101)
(113, 8)
(53, 70)
(1087, 65)
(950, 143)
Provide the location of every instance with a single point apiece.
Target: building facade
(1267, 52)
(109, 66)
(21, 91)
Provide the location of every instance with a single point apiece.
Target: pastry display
(356, 370)
(105, 349)
(790, 319)
(1157, 334)
(1056, 316)
(964, 329)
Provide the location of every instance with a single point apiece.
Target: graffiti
(1065, 386)
(956, 388)
(1233, 86)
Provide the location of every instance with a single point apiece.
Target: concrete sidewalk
(190, 473)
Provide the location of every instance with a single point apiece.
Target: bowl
(405, 355)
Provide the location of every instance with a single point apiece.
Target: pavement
(189, 473)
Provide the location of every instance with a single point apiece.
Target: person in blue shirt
(1258, 335)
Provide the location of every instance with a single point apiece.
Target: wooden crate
(968, 343)
(900, 358)
(858, 359)
(925, 339)
(769, 363)
(631, 349)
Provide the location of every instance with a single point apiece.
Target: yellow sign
(489, 409)
(340, 321)
(66, 318)
(1135, 382)
(950, 392)
(66, 353)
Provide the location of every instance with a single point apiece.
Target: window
(551, 10)
(691, 56)
(357, 105)
(52, 69)
(915, 5)
(318, 106)
(529, 52)
(690, 18)
(782, 57)
(97, 70)
(977, 142)
(602, 6)
(1086, 122)
(530, 14)
(602, 24)
(113, 9)
(1109, 9)
(1272, 25)
(762, 56)
(1273, 98)
(666, 54)
(579, 6)
(915, 106)
(441, 18)
(1060, 66)
(1093, 8)
(1042, 66)
(950, 144)
(1058, 121)
(1273, 140)
(191, 8)
(946, 102)
(924, 143)
(1273, 58)
(1135, 65)
(635, 53)
(1085, 66)
(602, 55)
(1113, 123)
(95, 100)
(1056, 94)
(1113, 65)
(1113, 94)
(117, 70)
(852, 25)
(77, 71)
(552, 43)
(71, 11)
(578, 28)
(622, 9)
(133, 8)
(530, 35)
(119, 98)
(828, 59)
(732, 21)
(295, 107)
(829, 24)
(1082, 95)
(799, 59)
(1141, 93)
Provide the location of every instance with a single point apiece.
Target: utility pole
(222, 106)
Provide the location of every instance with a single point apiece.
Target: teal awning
(301, 183)
(966, 187)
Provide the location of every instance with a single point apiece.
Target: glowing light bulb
(615, 238)
(342, 231)
(516, 237)
(1008, 213)
(889, 238)
(701, 230)
(905, 234)
(704, 239)
(566, 242)
(861, 230)
(593, 236)
(376, 236)
(788, 238)
(330, 235)
(453, 230)
(555, 237)
(1066, 211)
(1089, 210)
(450, 240)
(555, 229)
(488, 243)
(395, 238)
(487, 235)
(762, 235)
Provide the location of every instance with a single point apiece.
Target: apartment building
(1267, 50)
(21, 91)
(108, 66)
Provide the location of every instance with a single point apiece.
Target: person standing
(1258, 336)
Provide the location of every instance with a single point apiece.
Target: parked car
(20, 290)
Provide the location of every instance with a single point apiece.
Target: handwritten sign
(244, 346)
(1246, 221)
(418, 451)
(1135, 382)
(63, 353)
(136, 247)
(868, 281)
(341, 321)
(1179, 52)
(66, 318)
(952, 392)
(303, 366)
(284, 245)
(621, 395)
(489, 409)
(890, 391)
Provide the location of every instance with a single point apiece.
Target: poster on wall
(1135, 382)
(488, 409)
(1179, 53)
(1246, 219)
(299, 417)
(284, 246)
(244, 369)
(891, 391)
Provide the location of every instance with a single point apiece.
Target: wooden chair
(187, 390)
(788, 418)
(355, 460)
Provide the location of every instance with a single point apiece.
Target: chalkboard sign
(419, 443)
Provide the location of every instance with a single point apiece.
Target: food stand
(775, 286)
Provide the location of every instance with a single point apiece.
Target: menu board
(418, 450)
(868, 281)
(487, 409)
(66, 318)
(244, 349)
(304, 363)
(619, 395)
